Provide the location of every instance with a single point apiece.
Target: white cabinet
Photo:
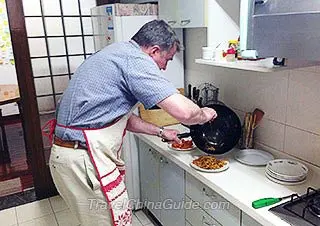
(223, 211)
(246, 220)
(196, 216)
(171, 193)
(149, 178)
(184, 13)
(162, 186)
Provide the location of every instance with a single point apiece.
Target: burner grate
(301, 210)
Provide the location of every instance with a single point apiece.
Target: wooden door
(43, 184)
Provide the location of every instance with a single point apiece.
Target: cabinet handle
(207, 194)
(185, 22)
(204, 222)
(172, 22)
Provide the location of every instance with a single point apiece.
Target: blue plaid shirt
(107, 85)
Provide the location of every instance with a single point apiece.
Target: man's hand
(209, 114)
(170, 135)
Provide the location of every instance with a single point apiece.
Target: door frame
(42, 180)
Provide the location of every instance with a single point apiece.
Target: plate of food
(185, 146)
(209, 164)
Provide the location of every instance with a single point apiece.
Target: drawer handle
(172, 22)
(207, 194)
(204, 222)
(185, 22)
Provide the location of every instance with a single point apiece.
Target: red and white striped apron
(104, 147)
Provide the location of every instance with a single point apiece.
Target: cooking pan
(218, 136)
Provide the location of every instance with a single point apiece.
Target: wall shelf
(259, 66)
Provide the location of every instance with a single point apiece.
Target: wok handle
(181, 135)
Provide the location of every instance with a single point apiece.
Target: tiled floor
(51, 212)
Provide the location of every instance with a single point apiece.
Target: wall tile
(304, 101)
(270, 133)
(56, 46)
(70, 7)
(51, 8)
(247, 90)
(54, 26)
(75, 45)
(31, 7)
(40, 67)
(72, 26)
(303, 145)
(37, 47)
(34, 26)
(59, 65)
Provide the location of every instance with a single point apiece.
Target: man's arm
(185, 111)
(137, 125)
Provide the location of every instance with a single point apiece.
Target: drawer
(214, 204)
(197, 216)
(248, 221)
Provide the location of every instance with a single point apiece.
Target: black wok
(220, 135)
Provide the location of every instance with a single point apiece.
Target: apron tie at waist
(48, 129)
(68, 144)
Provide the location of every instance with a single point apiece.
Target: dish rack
(209, 94)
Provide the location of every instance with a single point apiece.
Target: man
(95, 111)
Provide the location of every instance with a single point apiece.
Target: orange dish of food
(185, 144)
(209, 162)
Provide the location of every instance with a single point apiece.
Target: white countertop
(240, 184)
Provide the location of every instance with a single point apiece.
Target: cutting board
(158, 116)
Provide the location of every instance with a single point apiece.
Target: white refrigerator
(119, 22)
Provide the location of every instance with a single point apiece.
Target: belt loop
(76, 144)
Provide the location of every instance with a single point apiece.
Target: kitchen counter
(240, 184)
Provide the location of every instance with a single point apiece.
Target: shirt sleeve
(146, 81)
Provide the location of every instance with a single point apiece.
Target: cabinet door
(248, 221)
(171, 193)
(215, 205)
(192, 13)
(149, 178)
(196, 216)
(168, 11)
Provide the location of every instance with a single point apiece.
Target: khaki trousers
(76, 181)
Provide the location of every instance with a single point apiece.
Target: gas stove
(301, 210)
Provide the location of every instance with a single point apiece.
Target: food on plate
(209, 162)
(185, 144)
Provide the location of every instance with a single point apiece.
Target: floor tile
(33, 210)
(66, 218)
(48, 220)
(8, 217)
(142, 217)
(57, 204)
(135, 221)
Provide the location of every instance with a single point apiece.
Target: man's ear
(153, 50)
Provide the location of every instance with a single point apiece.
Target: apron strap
(48, 129)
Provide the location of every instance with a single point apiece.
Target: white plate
(287, 168)
(253, 157)
(183, 150)
(284, 182)
(226, 166)
(283, 178)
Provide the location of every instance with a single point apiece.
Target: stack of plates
(286, 171)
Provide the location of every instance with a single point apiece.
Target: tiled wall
(290, 100)
(60, 39)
